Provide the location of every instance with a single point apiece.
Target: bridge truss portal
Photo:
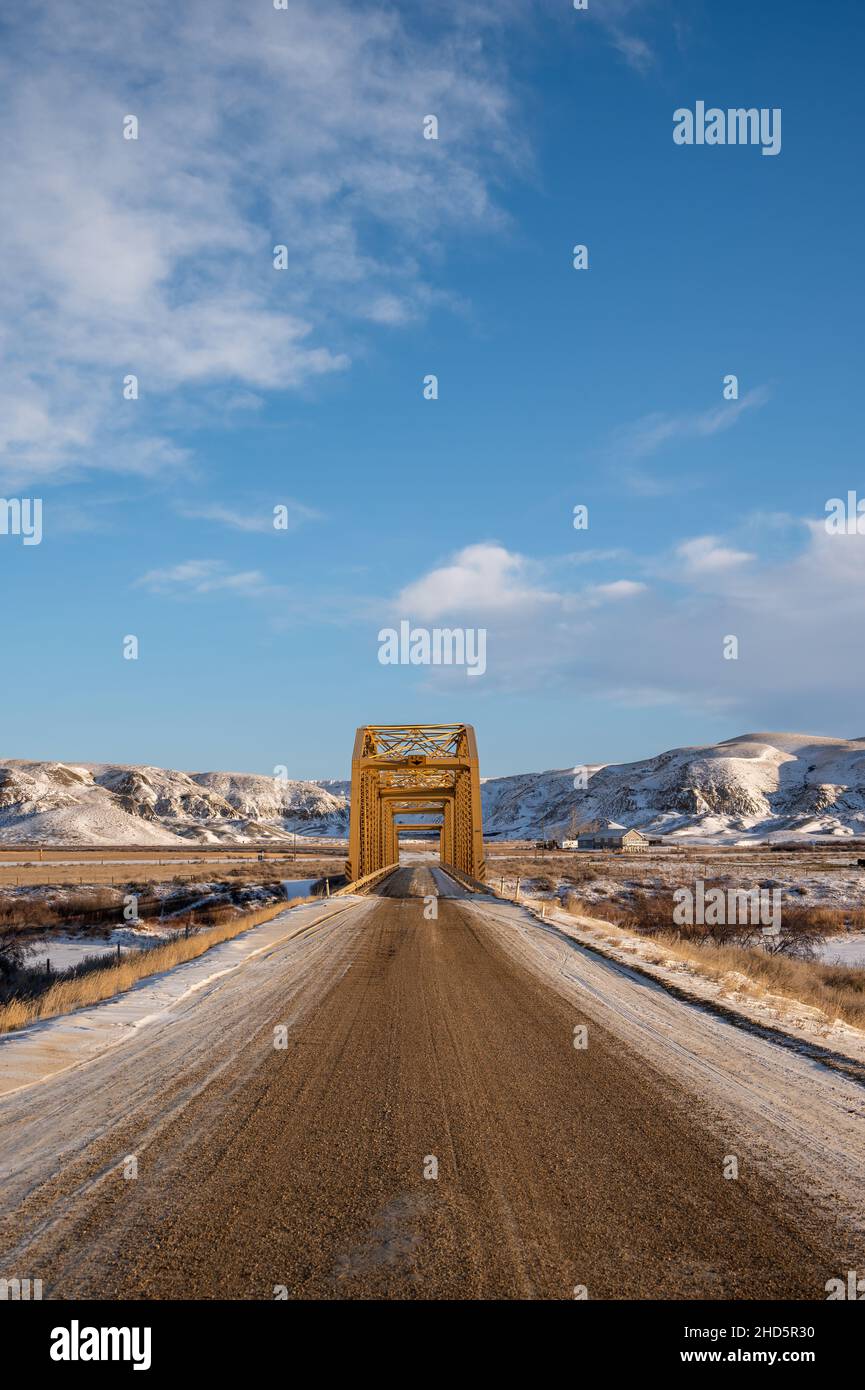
(408, 769)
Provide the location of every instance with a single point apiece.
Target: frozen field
(831, 879)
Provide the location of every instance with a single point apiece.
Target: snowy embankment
(734, 992)
(44, 1048)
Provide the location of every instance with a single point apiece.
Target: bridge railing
(368, 880)
(474, 885)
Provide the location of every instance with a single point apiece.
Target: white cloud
(798, 621)
(256, 127)
(619, 588)
(483, 578)
(705, 553)
(488, 581)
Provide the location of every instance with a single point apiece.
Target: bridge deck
(419, 881)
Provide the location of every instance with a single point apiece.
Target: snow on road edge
(791, 1016)
(52, 1045)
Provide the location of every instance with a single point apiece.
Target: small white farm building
(610, 837)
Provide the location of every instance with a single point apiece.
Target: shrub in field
(802, 931)
(607, 910)
(26, 909)
(13, 953)
(544, 883)
(579, 873)
(652, 912)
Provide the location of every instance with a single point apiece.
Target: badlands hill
(96, 803)
(746, 787)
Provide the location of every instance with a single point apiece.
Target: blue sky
(303, 387)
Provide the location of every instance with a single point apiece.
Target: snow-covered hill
(751, 786)
(746, 787)
(96, 803)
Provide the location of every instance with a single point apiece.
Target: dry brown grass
(605, 909)
(548, 868)
(838, 991)
(67, 995)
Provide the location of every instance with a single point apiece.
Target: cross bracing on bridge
(404, 769)
(401, 741)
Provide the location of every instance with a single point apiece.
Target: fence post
(517, 893)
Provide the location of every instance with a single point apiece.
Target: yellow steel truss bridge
(407, 769)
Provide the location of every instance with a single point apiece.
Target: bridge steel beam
(447, 854)
(400, 769)
(391, 839)
(416, 792)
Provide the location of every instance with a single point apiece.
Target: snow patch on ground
(44, 1048)
(734, 990)
(844, 950)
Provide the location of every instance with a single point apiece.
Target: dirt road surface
(423, 1126)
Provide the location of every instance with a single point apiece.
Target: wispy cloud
(206, 577)
(155, 256)
(261, 522)
(590, 556)
(636, 51)
(651, 432)
(616, 17)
